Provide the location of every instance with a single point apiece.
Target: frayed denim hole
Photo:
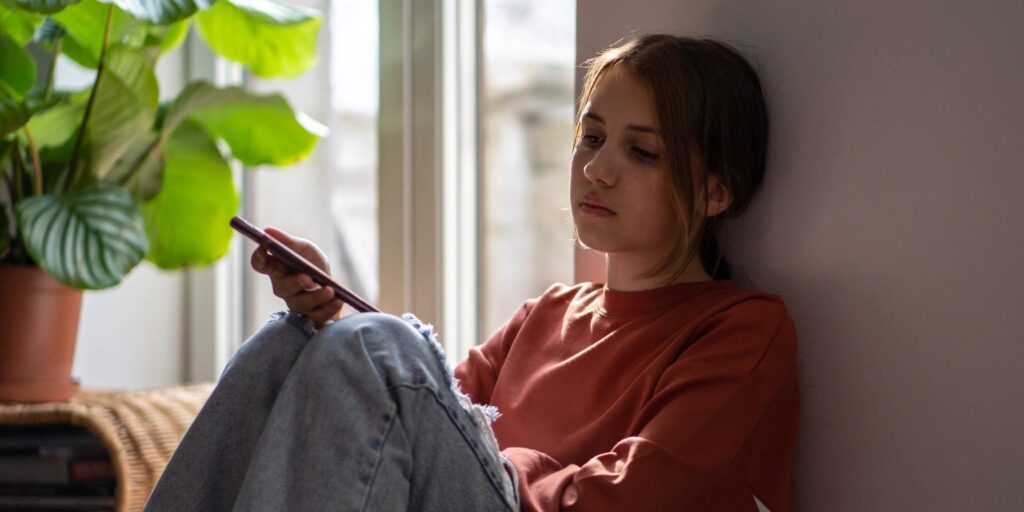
(427, 331)
(300, 322)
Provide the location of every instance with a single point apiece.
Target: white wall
(132, 335)
(890, 224)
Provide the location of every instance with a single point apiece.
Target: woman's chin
(594, 243)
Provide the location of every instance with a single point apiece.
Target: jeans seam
(498, 486)
(376, 465)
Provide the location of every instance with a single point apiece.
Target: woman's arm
(479, 371)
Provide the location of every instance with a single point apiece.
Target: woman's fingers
(265, 263)
(304, 247)
(306, 302)
(290, 286)
(298, 290)
(327, 311)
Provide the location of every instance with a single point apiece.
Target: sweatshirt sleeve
(479, 371)
(704, 408)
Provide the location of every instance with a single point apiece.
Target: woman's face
(620, 187)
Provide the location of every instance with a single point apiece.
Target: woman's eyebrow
(634, 127)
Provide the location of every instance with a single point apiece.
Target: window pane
(526, 123)
(331, 198)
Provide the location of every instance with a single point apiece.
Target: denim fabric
(363, 414)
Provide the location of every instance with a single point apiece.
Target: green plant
(95, 180)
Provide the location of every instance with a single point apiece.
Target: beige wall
(890, 223)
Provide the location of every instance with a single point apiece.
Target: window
(463, 215)
(331, 198)
(527, 103)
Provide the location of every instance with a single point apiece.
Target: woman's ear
(719, 196)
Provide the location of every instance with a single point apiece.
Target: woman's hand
(298, 290)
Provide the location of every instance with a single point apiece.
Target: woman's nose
(599, 169)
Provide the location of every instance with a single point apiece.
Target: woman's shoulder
(745, 301)
(752, 316)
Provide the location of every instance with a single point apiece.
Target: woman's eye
(590, 139)
(646, 155)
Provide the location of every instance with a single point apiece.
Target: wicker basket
(139, 428)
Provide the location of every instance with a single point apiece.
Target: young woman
(667, 387)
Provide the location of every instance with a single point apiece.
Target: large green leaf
(89, 239)
(78, 53)
(272, 39)
(20, 25)
(140, 169)
(43, 6)
(14, 113)
(260, 129)
(171, 36)
(85, 23)
(17, 68)
(125, 105)
(162, 11)
(188, 221)
(55, 126)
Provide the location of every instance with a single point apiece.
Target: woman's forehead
(620, 97)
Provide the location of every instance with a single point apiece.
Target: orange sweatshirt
(678, 398)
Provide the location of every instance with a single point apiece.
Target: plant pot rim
(33, 274)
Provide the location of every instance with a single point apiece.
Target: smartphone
(296, 262)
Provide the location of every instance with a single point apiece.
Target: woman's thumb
(282, 237)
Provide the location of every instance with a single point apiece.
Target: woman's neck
(624, 272)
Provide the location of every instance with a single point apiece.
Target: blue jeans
(360, 415)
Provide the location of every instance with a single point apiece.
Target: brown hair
(711, 111)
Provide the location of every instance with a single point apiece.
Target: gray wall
(889, 223)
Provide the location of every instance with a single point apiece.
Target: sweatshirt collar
(620, 303)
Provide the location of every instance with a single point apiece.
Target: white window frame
(214, 294)
(463, 42)
(427, 147)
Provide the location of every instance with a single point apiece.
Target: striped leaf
(87, 239)
(43, 6)
(162, 11)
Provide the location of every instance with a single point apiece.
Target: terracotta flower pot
(38, 327)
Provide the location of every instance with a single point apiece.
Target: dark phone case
(296, 262)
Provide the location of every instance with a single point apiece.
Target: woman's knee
(391, 344)
(278, 342)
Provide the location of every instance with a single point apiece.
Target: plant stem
(18, 167)
(34, 152)
(53, 65)
(72, 167)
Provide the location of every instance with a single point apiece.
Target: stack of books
(54, 467)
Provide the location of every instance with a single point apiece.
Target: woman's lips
(595, 207)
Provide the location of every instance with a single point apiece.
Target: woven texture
(139, 428)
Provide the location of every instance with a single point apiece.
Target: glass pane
(331, 198)
(526, 109)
